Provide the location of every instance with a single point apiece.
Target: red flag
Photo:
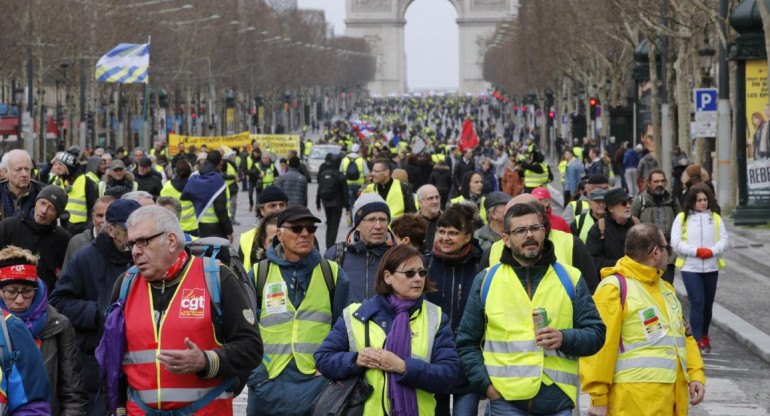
(468, 138)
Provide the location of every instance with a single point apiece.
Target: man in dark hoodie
(367, 242)
(40, 234)
(174, 187)
(209, 195)
(83, 290)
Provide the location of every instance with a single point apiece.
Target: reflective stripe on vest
(189, 314)
(424, 324)
(533, 179)
(187, 219)
(679, 262)
(516, 365)
(76, 204)
(247, 245)
(395, 199)
(652, 340)
(290, 333)
(480, 207)
(360, 165)
(562, 247)
(209, 215)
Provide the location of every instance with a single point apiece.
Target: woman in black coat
(441, 178)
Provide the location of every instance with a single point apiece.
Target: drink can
(540, 318)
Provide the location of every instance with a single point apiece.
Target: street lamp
(705, 55)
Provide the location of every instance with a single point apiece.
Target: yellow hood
(629, 268)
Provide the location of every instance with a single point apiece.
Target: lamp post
(705, 146)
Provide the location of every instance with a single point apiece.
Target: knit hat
(18, 270)
(69, 160)
(272, 194)
(56, 196)
(367, 203)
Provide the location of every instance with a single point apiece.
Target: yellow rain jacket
(597, 371)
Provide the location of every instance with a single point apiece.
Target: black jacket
(47, 241)
(149, 183)
(341, 188)
(26, 202)
(441, 178)
(608, 251)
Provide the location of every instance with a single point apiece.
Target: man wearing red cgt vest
(186, 352)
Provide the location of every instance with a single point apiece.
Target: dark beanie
(294, 162)
(56, 196)
(272, 194)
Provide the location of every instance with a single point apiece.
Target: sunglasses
(297, 229)
(411, 273)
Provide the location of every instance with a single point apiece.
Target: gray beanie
(54, 195)
(367, 203)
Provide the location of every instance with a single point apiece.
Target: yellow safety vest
(562, 247)
(584, 207)
(247, 245)
(188, 220)
(424, 325)
(482, 210)
(308, 148)
(533, 179)
(395, 199)
(651, 340)
(210, 216)
(290, 333)
(562, 170)
(269, 178)
(92, 176)
(587, 222)
(578, 152)
(515, 364)
(103, 187)
(437, 157)
(717, 221)
(230, 170)
(158, 168)
(359, 164)
(76, 204)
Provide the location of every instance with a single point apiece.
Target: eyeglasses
(297, 229)
(141, 242)
(379, 171)
(624, 203)
(522, 232)
(668, 248)
(411, 273)
(11, 294)
(375, 220)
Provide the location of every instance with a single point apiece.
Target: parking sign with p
(705, 100)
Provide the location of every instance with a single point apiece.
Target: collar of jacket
(626, 266)
(384, 188)
(54, 324)
(38, 228)
(379, 303)
(303, 267)
(106, 245)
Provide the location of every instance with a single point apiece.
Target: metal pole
(723, 116)
(665, 111)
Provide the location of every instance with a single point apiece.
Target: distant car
(318, 155)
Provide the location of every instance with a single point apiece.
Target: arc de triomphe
(381, 23)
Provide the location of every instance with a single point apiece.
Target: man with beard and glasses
(658, 207)
(608, 235)
(499, 342)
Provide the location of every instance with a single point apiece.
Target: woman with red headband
(25, 297)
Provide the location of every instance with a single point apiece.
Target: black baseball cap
(295, 213)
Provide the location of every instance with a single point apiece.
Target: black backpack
(328, 185)
(351, 172)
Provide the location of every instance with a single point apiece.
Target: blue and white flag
(127, 63)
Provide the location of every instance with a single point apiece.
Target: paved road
(737, 380)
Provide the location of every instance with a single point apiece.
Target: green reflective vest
(76, 204)
(651, 340)
(533, 179)
(359, 164)
(482, 210)
(293, 333)
(562, 247)
(424, 325)
(188, 220)
(395, 199)
(584, 223)
(516, 365)
(247, 245)
(210, 216)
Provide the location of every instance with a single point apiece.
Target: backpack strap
(9, 356)
(487, 283)
(213, 284)
(565, 280)
(262, 269)
(128, 281)
(623, 294)
(326, 270)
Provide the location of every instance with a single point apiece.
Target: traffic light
(524, 109)
(592, 103)
(551, 115)
(515, 108)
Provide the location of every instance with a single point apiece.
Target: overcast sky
(431, 40)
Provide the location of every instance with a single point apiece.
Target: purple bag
(110, 351)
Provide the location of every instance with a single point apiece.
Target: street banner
(757, 118)
(278, 144)
(235, 141)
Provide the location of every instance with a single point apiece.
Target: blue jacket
(29, 392)
(453, 282)
(575, 171)
(361, 262)
(336, 362)
(631, 159)
(293, 393)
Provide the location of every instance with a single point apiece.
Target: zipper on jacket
(366, 276)
(529, 284)
(452, 297)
